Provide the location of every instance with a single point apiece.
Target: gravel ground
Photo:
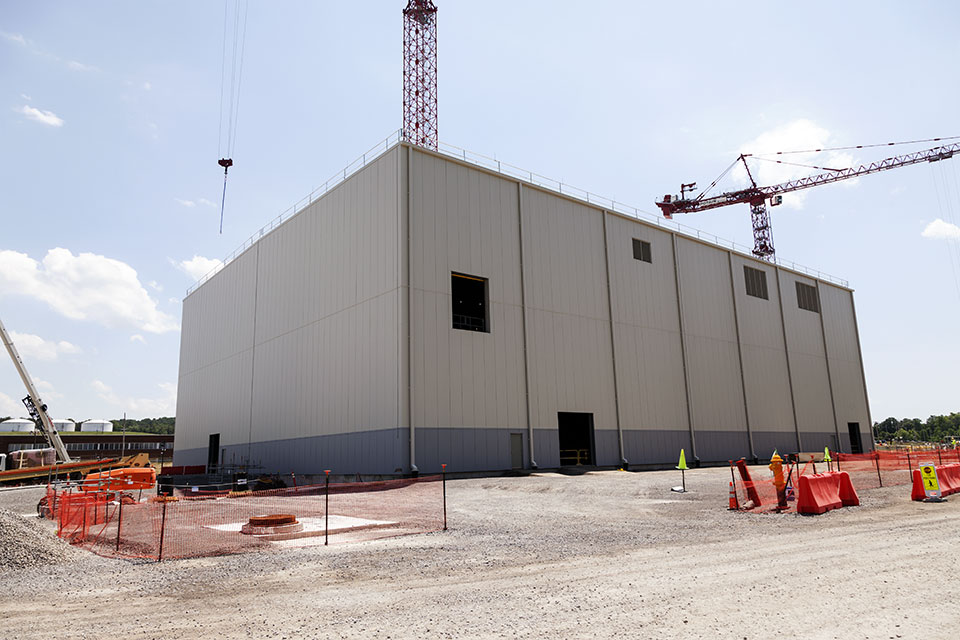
(602, 554)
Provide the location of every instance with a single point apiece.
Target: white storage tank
(16, 424)
(97, 425)
(64, 425)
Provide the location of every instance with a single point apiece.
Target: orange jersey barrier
(822, 492)
(865, 470)
(948, 476)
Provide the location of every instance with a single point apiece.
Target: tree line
(146, 425)
(935, 429)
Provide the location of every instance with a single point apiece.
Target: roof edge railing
(512, 171)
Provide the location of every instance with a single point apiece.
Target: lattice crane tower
(420, 73)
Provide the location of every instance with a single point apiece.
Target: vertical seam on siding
(683, 345)
(253, 352)
(743, 377)
(863, 375)
(523, 320)
(826, 359)
(613, 342)
(786, 352)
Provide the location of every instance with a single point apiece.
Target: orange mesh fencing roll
(194, 524)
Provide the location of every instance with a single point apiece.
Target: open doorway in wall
(855, 445)
(213, 452)
(516, 451)
(575, 431)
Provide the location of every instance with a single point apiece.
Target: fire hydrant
(776, 465)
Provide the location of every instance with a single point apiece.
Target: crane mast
(758, 197)
(35, 406)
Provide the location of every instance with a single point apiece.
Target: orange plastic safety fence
(867, 471)
(195, 525)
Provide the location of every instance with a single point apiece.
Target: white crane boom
(35, 406)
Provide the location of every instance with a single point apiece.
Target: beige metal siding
(843, 350)
(713, 367)
(464, 221)
(764, 356)
(646, 329)
(569, 350)
(216, 345)
(319, 298)
(808, 365)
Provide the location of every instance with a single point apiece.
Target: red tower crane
(420, 73)
(757, 196)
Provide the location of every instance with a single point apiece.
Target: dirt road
(606, 554)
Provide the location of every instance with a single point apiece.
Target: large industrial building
(428, 311)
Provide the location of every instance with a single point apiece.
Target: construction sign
(931, 486)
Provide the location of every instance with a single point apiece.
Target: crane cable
(945, 205)
(237, 40)
(862, 146)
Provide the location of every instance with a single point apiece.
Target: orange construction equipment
(124, 479)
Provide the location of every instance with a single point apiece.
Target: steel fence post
(876, 457)
(119, 522)
(326, 510)
(163, 525)
(443, 476)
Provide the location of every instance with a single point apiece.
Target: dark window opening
(576, 439)
(856, 446)
(807, 297)
(641, 251)
(756, 280)
(213, 449)
(469, 295)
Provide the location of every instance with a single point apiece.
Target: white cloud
(31, 346)
(46, 390)
(163, 405)
(79, 66)
(84, 287)
(147, 86)
(173, 300)
(797, 135)
(10, 407)
(156, 286)
(14, 37)
(193, 203)
(26, 97)
(940, 230)
(198, 266)
(138, 338)
(43, 117)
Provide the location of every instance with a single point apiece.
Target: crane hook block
(226, 163)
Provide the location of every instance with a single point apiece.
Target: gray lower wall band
(469, 450)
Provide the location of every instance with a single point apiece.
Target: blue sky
(110, 111)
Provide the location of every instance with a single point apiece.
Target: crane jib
(671, 205)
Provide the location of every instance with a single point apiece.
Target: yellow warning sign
(931, 486)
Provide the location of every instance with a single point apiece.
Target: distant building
(428, 310)
(90, 446)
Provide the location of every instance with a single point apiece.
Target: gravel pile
(26, 542)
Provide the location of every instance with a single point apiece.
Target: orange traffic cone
(734, 505)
